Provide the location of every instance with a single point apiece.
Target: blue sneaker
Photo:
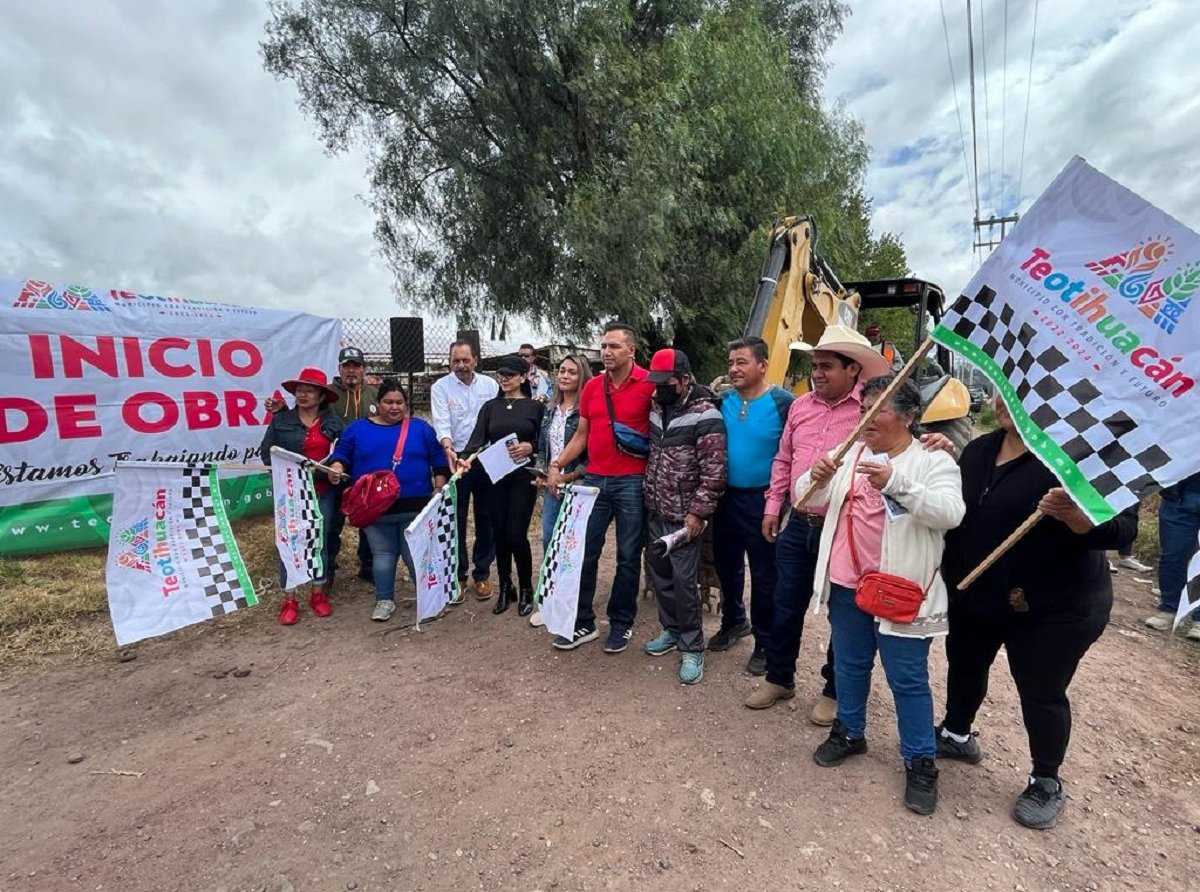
(618, 638)
(691, 668)
(664, 643)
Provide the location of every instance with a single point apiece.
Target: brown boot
(766, 695)
(824, 711)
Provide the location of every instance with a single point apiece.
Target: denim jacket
(287, 431)
(571, 426)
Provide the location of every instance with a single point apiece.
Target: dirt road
(340, 755)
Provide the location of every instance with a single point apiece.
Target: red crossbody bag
(372, 494)
(884, 595)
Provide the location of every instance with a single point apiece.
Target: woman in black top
(511, 500)
(1046, 601)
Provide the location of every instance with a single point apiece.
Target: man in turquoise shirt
(754, 413)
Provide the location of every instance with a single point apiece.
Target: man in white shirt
(455, 400)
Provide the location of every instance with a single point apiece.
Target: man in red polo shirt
(614, 421)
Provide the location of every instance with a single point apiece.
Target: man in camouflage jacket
(685, 477)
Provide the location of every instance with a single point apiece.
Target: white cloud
(1111, 82)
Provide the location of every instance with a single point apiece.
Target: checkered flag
(557, 593)
(432, 540)
(299, 526)
(213, 549)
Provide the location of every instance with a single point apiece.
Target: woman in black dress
(511, 499)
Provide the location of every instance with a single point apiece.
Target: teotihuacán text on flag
(557, 593)
(432, 539)
(1083, 317)
(172, 558)
(299, 526)
(89, 377)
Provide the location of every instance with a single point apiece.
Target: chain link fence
(416, 349)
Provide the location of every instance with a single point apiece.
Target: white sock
(957, 738)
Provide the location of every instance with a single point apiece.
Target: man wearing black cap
(356, 399)
(685, 477)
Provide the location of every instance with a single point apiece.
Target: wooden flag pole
(901, 376)
(307, 461)
(1013, 538)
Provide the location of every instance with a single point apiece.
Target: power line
(1004, 114)
(974, 125)
(954, 87)
(1028, 92)
(987, 108)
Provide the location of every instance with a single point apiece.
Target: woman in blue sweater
(371, 445)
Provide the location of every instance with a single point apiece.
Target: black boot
(525, 600)
(503, 597)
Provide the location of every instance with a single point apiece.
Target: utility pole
(991, 223)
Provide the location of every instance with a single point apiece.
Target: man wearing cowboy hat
(819, 421)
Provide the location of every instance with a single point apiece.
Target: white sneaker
(1132, 563)
(535, 619)
(1161, 621)
(1112, 568)
(383, 611)
(1193, 634)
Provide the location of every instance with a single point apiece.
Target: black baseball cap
(351, 354)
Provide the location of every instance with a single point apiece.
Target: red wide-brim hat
(313, 378)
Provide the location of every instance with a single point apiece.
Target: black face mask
(666, 394)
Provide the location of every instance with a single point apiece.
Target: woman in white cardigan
(892, 500)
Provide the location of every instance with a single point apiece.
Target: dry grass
(55, 605)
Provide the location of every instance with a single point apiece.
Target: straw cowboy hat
(313, 378)
(848, 342)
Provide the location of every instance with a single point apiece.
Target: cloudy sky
(145, 147)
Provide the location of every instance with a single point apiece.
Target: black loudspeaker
(408, 344)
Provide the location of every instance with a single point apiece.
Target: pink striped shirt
(813, 428)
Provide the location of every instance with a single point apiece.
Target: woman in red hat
(309, 429)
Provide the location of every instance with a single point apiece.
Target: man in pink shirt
(818, 422)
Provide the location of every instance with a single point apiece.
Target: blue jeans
(328, 502)
(737, 535)
(550, 505)
(387, 547)
(795, 567)
(1178, 524)
(905, 663)
(620, 499)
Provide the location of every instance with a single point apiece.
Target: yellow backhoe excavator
(799, 294)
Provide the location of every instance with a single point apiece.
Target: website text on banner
(1082, 318)
(88, 378)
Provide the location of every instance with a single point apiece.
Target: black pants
(510, 508)
(475, 485)
(334, 536)
(1043, 654)
(737, 536)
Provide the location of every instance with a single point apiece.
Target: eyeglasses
(506, 373)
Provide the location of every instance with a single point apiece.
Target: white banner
(88, 378)
(432, 540)
(1082, 317)
(558, 585)
(299, 527)
(172, 560)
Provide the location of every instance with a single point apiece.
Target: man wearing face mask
(685, 477)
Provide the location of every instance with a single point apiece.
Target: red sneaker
(319, 602)
(289, 612)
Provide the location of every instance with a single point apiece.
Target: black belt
(816, 521)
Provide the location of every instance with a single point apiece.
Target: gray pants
(676, 585)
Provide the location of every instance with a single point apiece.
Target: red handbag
(883, 595)
(372, 494)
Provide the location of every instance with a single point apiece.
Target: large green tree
(580, 160)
